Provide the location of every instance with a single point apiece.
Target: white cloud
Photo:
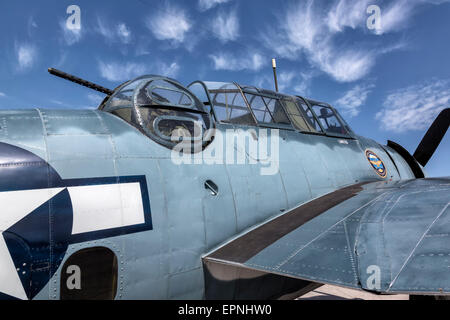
(289, 82)
(285, 80)
(170, 23)
(313, 30)
(124, 32)
(302, 27)
(168, 70)
(263, 81)
(119, 32)
(295, 82)
(26, 56)
(2, 94)
(350, 103)
(435, 1)
(32, 26)
(204, 5)
(95, 99)
(115, 71)
(394, 16)
(32, 23)
(304, 31)
(63, 55)
(414, 107)
(71, 36)
(225, 26)
(347, 13)
(103, 29)
(142, 48)
(345, 66)
(303, 84)
(227, 61)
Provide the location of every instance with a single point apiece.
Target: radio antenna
(274, 66)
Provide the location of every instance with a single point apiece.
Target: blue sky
(389, 83)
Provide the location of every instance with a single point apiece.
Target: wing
(386, 237)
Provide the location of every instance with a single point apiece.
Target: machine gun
(80, 81)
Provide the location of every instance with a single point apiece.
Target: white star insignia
(16, 205)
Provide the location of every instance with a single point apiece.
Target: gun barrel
(80, 81)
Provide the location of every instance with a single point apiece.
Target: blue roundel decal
(376, 163)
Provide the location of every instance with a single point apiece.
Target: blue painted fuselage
(163, 261)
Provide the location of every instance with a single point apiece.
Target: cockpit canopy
(169, 113)
(161, 108)
(247, 105)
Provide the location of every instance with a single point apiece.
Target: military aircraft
(93, 205)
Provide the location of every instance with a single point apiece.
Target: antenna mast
(274, 66)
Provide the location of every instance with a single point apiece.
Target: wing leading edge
(386, 237)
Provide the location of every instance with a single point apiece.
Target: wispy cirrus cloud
(231, 62)
(352, 101)
(2, 95)
(169, 70)
(414, 107)
(395, 15)
(204, 5)
(103, 29)
(297, 83)
(304, 31)
(437, 2)
(353, 14)
(285, 79)
(70, 36)
(113, 33)
(345, 13)
(348, 66)
(169, 23)
(115, 71)
(302, 84)
(32, 26)
(119, 72)
(225, 26)
(26, 55)
(313, 30)
(95, 99)
(124, 33)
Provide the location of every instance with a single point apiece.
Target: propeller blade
(433, 138)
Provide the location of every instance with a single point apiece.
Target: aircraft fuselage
(117, 189)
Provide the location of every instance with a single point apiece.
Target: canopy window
(297, 115)
(309, 116)
(267, 110)
(228, 103)
(329, 121)
(162, 109)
